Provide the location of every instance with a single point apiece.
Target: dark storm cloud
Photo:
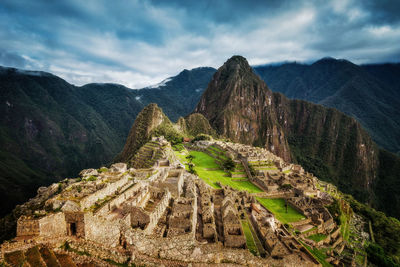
(138, 42)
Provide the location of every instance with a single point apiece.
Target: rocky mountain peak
(146, 121)
(236, 103)
(240, 106)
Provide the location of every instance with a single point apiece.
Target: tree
(190, 158)
(191, 169)
(286, 206)
(229, 164)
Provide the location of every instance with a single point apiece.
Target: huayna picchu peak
(249, 178)
(240, 106)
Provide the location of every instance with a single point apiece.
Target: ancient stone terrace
(164, 211)
(276, 240)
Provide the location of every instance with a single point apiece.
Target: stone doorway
(72, 229)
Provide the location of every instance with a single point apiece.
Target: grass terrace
(208, 170)
(277, 207)
(251, 245)
(317, 237)
(319, 254)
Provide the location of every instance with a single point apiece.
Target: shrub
(252, 170)
(201, 137)
(91, 178)
(191, 169)
(229, 164)
(190, 158)
(102, 169)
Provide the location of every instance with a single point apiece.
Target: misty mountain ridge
(52, 129)
(370, 93)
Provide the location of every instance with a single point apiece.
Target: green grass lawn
(251, 245)
(277, 207)
(320, 254)
(317, 237)
(203, 162)
(344, 227)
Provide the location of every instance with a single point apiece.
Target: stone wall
(300, 210)
(53, 225)
(102, 231)
(88, 201)
(117, 201)
(158, 212)
(27, 226)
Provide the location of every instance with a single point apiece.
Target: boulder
(57, 204)
(70, 206)
(118, 167)
(88, 172)
(41, 190)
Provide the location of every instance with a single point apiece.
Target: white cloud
(138, 44)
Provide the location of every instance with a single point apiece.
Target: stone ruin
(160, 210)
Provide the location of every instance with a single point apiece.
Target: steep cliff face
(146, 122)
(238, 105)
(325, 141)
(329, 143)
(369, 93)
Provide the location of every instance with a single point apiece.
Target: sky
(138, 43)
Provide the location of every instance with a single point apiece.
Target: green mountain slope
(369, 93)
(324, 140)
(51, 129)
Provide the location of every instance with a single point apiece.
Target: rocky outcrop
(238, 105)
(333, 146)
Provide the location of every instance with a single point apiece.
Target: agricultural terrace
(278, 208)
(208, 170)
(251, 245)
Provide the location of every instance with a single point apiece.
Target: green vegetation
(178, 147)
(67, 247)
(208, 170)
(102, 169)
(91, 178)
(320, 254)
(285, 213)
(196, 125)
(386, 230)
(341, 213)
(377, 255)
(387, 189)
(229, 164)
(317, 237)
(201, 137)
(249, 237)
(167, 129)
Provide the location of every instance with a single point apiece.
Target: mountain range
(52, 129)
(369, 93)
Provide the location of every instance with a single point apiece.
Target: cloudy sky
(139, 43)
